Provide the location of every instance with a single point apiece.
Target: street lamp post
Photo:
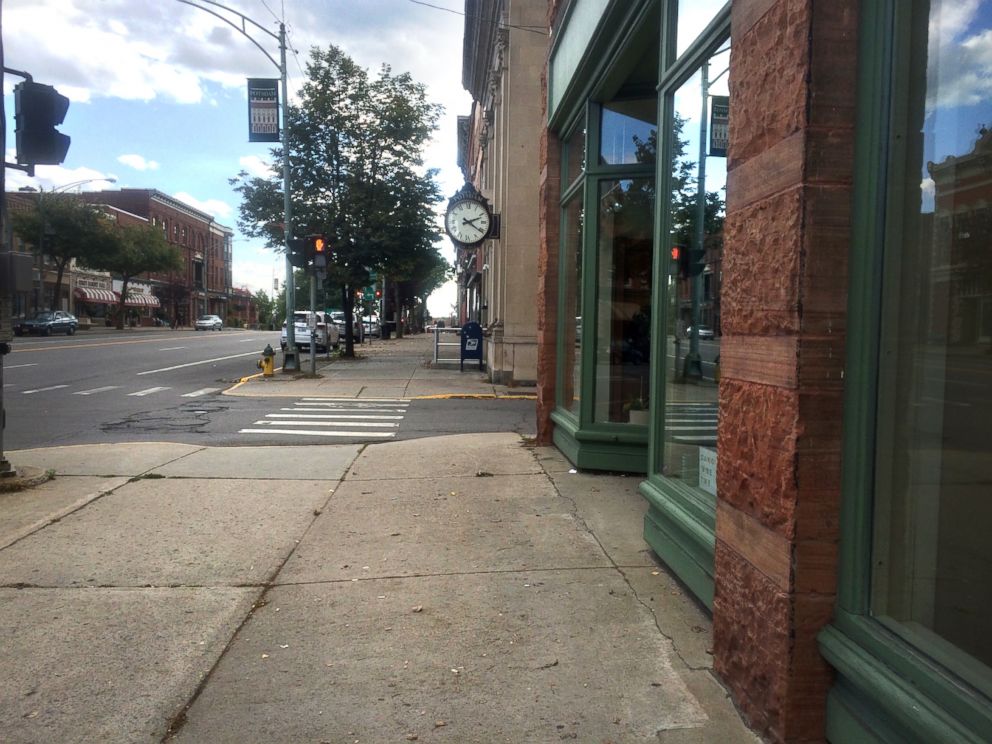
(290, 360)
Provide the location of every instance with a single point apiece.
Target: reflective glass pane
(623, 297)
(628, 132)
(570, 322)
(932, 552)
(694, 17)
(695, 256)
(575, 154)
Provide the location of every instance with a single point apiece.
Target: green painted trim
(682, 537)
(602, 449)
(873, 695)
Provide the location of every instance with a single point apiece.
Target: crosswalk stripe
(44, 389)
(404, 401)
(148, 391)
(330, 416)
(202, 391)
(304, 432)
(94, 391)
(362, 424)
(346, 410)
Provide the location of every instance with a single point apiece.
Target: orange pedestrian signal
(319, 244)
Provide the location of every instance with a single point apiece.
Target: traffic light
(296, 251)
(318, 247)
(38, 110)
(378, 293)
(697, 261)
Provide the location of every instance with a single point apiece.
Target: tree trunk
(57, 290)
(397, 310)
(120, 308)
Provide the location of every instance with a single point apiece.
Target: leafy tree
(267, 310)
(132, 250)
(357, 173)
(174, 293)
(62, 228)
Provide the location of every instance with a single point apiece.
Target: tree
(266, 308)
(174, 293)
(357, 173)
(133, 250)
(62, 228)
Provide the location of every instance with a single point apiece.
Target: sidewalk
(475, 590)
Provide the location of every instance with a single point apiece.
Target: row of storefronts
(764, 282)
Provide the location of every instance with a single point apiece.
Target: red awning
(139, 299)
(101, 296)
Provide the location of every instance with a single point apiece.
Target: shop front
(772, 299)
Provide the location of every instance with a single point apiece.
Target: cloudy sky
(158, 90)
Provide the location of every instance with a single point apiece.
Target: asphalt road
(166, 386)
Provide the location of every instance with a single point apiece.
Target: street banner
(719, 125)
(263, 110)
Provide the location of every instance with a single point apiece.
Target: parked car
(704, 331)
(209, 323)
(326, 334)
(47, 322)
(371, 325)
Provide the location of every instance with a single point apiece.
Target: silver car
(326, 334)
(209, 323)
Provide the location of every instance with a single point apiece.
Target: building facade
(504, 53)
(763, 222)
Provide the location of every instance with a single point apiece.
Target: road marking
(395, 401)
(94, 391)
(367, 425)
(44, 389)
(328, 416)
(305, 433)
(172, 348)
(15, 366)
(347, 410)
(201, 391)
(194, 364)
(149, 391)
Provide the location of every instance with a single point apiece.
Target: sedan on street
(46, 323)
(209, 323)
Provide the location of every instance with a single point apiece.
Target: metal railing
(447, 346)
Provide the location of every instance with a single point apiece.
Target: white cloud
(959, 56)
(220, 210)
(48, 177)
(256, 166)
(137, 162)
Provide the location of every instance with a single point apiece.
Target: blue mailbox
(471, 343)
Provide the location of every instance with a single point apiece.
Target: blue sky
(159, 101)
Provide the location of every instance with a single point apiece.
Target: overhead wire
(530, 29)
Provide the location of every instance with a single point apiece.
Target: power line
(530, 29)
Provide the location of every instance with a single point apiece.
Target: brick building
(203, 285)
(816, 473)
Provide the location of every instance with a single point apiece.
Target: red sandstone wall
(792, 83)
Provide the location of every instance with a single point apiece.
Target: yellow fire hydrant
(267, 362)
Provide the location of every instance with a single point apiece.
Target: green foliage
(62, 228)
(267, 310)
(132, 250)
(357, 175)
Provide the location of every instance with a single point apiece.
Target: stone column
(792, 87)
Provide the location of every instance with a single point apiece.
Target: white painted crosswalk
(692, 423)
(366, 419)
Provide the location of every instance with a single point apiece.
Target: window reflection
(629, 132)
(625, 248)
(694, 17)
(570, 323)
(695, 249)
(575, 149)
(932, 556)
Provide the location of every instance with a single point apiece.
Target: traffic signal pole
(693, 367)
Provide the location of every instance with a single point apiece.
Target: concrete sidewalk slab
(165, 532)
(442, 526)
(441, 457)
(319, 462)
(108, 665)
(518, 657)
(27, 511)
(131, 459)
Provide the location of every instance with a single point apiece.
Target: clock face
(467, 222)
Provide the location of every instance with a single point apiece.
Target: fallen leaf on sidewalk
(412, 737)
(418, 608)
(440, 724)
(483, 474)
(265, 656)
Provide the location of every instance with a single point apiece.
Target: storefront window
(575, 155)
(623, 297)
(628, 132)
(932, 555)
(695, 249)
(570, 322)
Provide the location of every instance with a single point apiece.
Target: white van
(326, 333)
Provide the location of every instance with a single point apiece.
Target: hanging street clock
(469, 219)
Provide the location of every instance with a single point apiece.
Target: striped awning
(139, 299)
(90, 294)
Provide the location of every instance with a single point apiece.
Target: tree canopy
(357, 175)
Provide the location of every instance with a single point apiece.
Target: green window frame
(886, 689)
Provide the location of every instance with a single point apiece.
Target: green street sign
(368, 293)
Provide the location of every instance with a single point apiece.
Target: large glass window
(695, 249)
(694, 16)
(570, 322)
(628, 132)
(932, 552)
(624, 244)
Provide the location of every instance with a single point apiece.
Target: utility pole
(290, 358)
